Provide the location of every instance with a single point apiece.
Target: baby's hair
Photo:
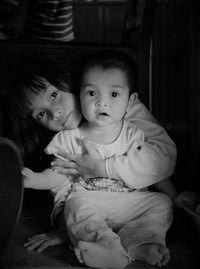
(107, 59)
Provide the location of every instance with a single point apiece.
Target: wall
(176, 69)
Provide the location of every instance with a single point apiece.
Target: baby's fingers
(65, 156)
(64, 164)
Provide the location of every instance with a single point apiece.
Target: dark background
(173, 96)
(171, 92)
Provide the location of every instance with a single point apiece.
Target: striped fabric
(50, 20)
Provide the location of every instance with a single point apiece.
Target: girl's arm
(45, 180)
(157, 158)
(154, 162)
(137, 111)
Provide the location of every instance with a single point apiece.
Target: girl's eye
(53, 95)
(41, 115)
(115, 94)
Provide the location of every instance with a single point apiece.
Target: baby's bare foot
(152, 254)
(99, 256)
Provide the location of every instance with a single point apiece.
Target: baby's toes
(78, 254)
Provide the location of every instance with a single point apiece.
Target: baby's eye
(41, 115)
(91, 93)
(115, 94)
(53, 95)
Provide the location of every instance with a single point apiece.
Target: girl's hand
(89, 164)
(28, 176)
(42, 241)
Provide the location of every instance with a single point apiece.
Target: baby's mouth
(103, 114)
(63, 123)
(102, 111)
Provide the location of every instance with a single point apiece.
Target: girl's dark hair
(115, 59)
(31, 78)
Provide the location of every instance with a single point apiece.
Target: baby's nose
(102, 103)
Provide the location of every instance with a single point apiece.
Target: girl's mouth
(66, 120)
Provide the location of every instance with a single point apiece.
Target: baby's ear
(131, 101)
(133, 97)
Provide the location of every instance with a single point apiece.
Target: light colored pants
(118, 220)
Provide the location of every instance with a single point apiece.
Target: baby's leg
(96, 245)
(144, 236)
(100, 256)
(151, 253)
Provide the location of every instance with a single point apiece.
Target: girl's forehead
(37, 96)
(36, 100)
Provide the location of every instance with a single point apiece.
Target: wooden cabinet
(88, 23)
(113, 23)
(99, 21)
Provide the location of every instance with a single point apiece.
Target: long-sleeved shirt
(157, 160)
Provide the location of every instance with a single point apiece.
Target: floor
(182, 239)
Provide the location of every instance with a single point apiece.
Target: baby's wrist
(101, 169)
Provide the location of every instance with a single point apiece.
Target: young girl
(50, 106)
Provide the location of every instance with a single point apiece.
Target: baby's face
(55, 110)
(104, 95)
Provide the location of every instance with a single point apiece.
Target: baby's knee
(79, 210)
(165, 200)
(162, 203)
(166, 206)
(73, 203)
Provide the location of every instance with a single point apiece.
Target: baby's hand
(88, 164)
(187, 198)
(28, 176)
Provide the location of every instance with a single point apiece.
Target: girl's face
(55, 110)
(104, 95)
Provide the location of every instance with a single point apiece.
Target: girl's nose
(57, 114)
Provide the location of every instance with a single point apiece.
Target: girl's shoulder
(66, 140)
(132, 132)
(137, 111)
(68, 135)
